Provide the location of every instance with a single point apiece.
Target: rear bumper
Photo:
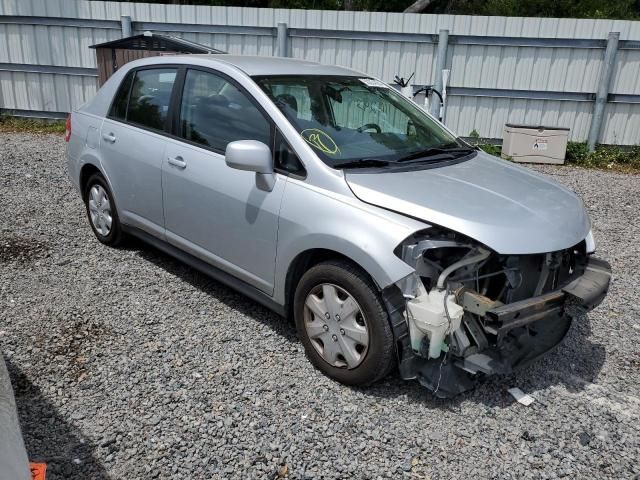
(72, 171)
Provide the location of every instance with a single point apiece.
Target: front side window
(215, 112)
(285, 158)
(351, 120)
(150, 97)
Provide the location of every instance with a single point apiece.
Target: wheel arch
(306, 260)
(379, 272)
(87, 170)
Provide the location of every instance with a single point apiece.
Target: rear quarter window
(119, 105)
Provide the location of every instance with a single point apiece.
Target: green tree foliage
(620, 9)
(623, 9)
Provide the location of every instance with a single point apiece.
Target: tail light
(67, 132)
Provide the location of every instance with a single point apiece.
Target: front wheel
(342, 323)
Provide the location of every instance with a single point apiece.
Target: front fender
(311, 218)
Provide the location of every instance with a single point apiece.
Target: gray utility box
(535, 144)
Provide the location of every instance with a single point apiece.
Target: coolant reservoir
(427, 316)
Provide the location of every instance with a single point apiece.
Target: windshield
(351, 120)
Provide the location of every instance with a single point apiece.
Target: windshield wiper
(362, 163)
(437, 153)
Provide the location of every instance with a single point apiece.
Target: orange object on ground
(38, 471)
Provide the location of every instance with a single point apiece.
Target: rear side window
(119, 105)
(215, 112)
(150, 97)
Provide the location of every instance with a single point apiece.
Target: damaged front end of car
(468, 311)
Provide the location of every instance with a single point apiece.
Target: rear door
(212, 211)
(133, 144)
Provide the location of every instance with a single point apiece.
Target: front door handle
(177, 162)
(109, 137)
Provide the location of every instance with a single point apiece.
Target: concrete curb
(14, 464)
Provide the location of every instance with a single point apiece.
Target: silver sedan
(327, 196)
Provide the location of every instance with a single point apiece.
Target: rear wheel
(101, 211)
(342, 323)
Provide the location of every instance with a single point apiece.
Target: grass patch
(477, 141)
(30, 125)
(605, 157)
(490, 149)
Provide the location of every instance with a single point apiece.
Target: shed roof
(156, 42)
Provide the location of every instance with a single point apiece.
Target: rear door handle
(109, 137)
(177, 162)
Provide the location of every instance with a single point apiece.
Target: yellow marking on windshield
(320, 140)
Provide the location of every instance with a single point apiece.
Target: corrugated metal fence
(522, 70)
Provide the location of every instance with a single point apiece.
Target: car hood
(508, 208)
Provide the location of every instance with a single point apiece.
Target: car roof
(256, 66)
(248, 65)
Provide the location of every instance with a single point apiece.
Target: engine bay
(471, 312)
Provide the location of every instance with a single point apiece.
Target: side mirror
(249, 155)
(252, 156)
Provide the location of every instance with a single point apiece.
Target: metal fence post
(441, 63)
(282, 40)
(603, 89)
(125, 21)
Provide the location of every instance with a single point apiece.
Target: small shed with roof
(114, 54)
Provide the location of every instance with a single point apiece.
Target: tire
(360, 367)
(112, 236)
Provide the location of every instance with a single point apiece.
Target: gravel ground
(127, 364)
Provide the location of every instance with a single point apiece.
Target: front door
(211, 210)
